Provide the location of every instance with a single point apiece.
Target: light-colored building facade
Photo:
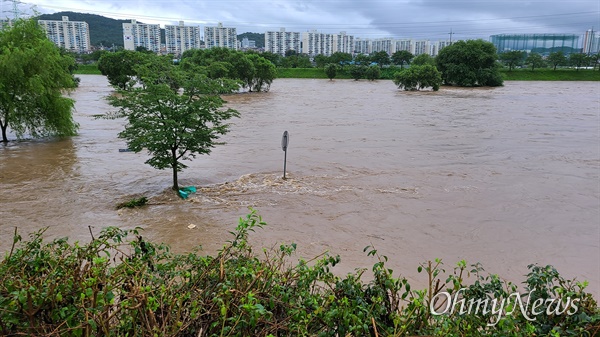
(141, 35)
(70, 35)
(315, 43)
(343, 43)
(179, 38)
(248, 44)
(278, 42)
(421, 47)
(362, 46)
(591, 42)
(405, 44)
(384, 44)
(220, 36)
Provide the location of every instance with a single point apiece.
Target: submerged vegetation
(115, 286)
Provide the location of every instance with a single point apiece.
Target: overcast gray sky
(419, 19)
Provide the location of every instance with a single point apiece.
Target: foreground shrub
(115, 286)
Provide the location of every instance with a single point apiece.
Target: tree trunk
(174, 165)
(4, 127)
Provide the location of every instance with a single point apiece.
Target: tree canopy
(469, 63)
(535, 60)
(512, 58)
(170, 125)
(556, 59)
(402, 57)
(34, 75)
(418, 77)
(423, 59)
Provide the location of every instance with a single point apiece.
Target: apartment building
(179, 38)
(70, 35)
(420, 47)
(384, 44)
(279, 42)
(315, 43)
(220, 36)
(343, 43)
(591, 42)
(141, 35)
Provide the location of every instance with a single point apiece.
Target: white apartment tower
(591, 42)
(362, 46)
(421, 47)
(282, 41)
(179, 38)
(343, 43)
(399, 45)
(70, 35)
(220, 37)
(382, 45)
(141, 35)
(314, 43)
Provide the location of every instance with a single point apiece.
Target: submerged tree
(33, 75)
(469, 63)
(174, 126)
(331, 70)
(418, 77)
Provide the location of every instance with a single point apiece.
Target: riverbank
(544, 74)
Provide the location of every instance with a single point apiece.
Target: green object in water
(186, 191)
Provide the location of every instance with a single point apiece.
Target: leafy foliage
(331, 70)
(556, 59)
(34, 74)
(469, 63)
(418, 77)
(512, 58)
(535, 60)
(116, 286)
(423, 59)
(372, 72)
(170, 125)
(402, 57)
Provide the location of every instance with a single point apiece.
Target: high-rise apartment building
(220, 37)
(314, 43)
(384, 44)
(421, 47)
(70, 35)
(405, 44)
(591, 42)
(279, 42)
(362, 46)
(141, 35)
(343, 43)
(179, 38)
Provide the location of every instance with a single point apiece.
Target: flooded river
(506, 176)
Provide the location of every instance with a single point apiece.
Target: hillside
(107, 31)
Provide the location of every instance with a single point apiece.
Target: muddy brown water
(506, 176)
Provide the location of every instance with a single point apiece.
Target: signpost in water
(284, 144)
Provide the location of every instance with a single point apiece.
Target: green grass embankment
(550, 75)
(87, 69)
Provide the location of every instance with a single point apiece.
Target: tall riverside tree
(556, 59)
(173, 126)
(579, 60)
(119, 67)
(33, 76)
(469, 63)
(401, 57)
(512, 58)
(535, 60)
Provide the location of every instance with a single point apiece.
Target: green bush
(113, 286)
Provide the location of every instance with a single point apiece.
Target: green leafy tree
(423, 59)
(274, 58)
(321, 60)
(382, 58)
(535, 60)
(579, 60)
(357, 71)
(33, 75)
(372, 73)
(402, 57)
(119, 67)
(173, 127)
(362, 59)
(331, 70)
(556, 59)
(512, 58)
(264, 74)
(469, 63)
(418, 77)
(340, 58)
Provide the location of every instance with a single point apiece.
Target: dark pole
(284, 144)
(284, 162)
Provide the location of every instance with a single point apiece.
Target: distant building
(343, 43)
(405, 44)
(362, 46)
(543, 44)
(220, 37)
(591, 42)
(179, 38)
(278, 42)
(314, 43)
(248, 44)
(141, 35)
(421, 47)
(70, 35)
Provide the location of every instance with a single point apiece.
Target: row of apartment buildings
(74, 35)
